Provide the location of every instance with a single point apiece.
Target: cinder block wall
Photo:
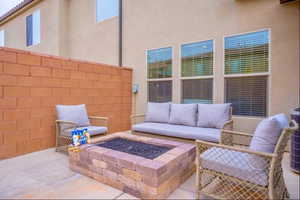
(32, 84)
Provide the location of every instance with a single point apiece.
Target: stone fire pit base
(138, 176)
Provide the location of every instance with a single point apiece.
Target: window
(197, 72)
(106, 9)
(246, 73)
(33, 34)
(159, 65)
(160, 91)
(2, 42)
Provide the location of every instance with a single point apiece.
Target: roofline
(17, 10)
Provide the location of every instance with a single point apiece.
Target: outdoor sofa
(187, 122)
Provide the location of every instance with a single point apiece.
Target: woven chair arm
(66, 122)
(207, 145)
(236, 133)
(135, 118)
(101, 121)
(228, 125)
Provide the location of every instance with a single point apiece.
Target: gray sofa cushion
(266, 135)
(213, 115)
(73, 113)
(92, 130)
(233, 163)
(187, 132)
(158, 112)
(184, 114)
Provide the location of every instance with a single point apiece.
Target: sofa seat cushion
(92, 130)
(187, 132)
(235, 164)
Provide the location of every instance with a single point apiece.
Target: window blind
(248, 95)
(160, 91)
(159, 63)
(197, 91)
(197, 59)
(247, 53)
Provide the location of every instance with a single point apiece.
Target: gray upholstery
(188, 132)
(213, 115)
(92, 130)
(73, 113)
(266, 135)
(233, 163)
(158, 112)
(184, 114)
(282, 120)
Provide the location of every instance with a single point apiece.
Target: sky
(6, 5)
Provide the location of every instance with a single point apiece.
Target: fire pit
(144, 167)
(142, 149)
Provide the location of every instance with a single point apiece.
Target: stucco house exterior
(244, 52)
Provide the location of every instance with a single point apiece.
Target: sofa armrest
(138, 118)
(99, 121)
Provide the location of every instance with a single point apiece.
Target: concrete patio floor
(46, 175)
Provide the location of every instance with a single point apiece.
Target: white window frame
(268, 74)
(36, 28)
(2, 38)
(160, 79)
(181, 78)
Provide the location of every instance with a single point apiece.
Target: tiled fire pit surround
(138, 176)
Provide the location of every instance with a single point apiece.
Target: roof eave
(19, 9)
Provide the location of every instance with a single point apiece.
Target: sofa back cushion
(158, 112)
(266, 135)
(73, 113)
(183, 114)
(213, 115)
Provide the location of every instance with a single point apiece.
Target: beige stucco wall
(15, 29)
(149, 25)
(88, 39)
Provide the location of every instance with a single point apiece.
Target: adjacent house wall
(170, 23)
(15, 29)
(88, 39)
(32, 84)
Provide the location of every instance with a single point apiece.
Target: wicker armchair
(227, 171)
(75, 116)
(62, 140)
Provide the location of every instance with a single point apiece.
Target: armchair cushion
(158, 112)
(233, 163)
(93, 130)
(282, 120)
(213, 115)
(184, 114)
(266, 135)
(73, 113)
